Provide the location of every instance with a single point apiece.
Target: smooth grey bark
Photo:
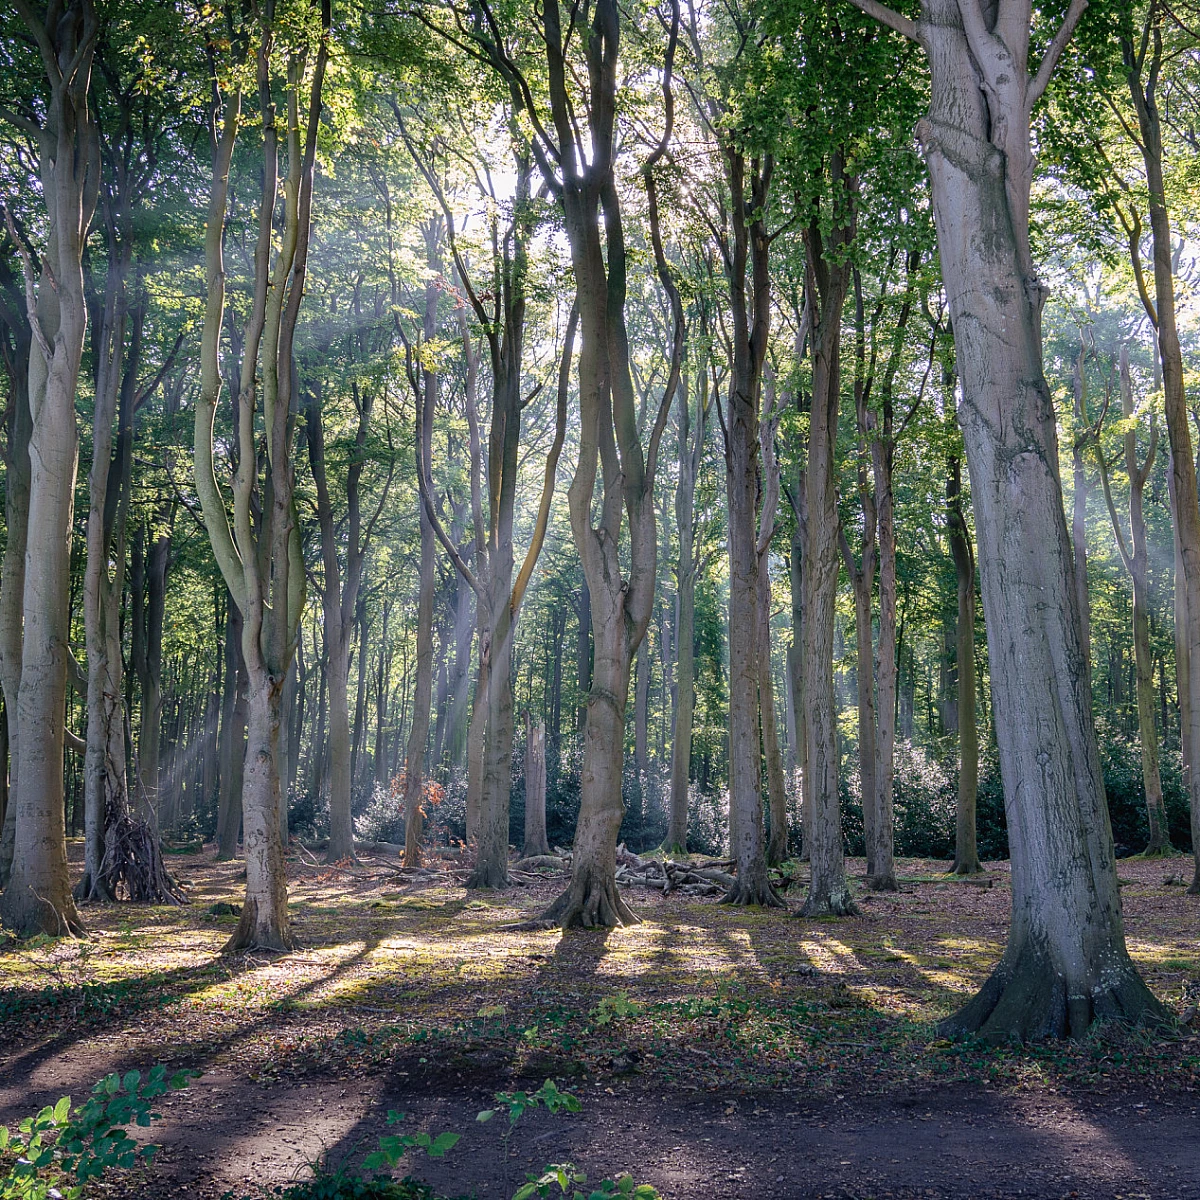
(261, 561)
(691, 449)
(1135, 556)
(233, 738)
(425, 396)
(966, 846)
(535, 788)
(1143, 55)
(777, 840)
(1066, 963)
(340, 585)
(16, 346)
(827, 282)
(37, 898)
(577, 164)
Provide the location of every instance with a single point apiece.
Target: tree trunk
(829, 892)
(1135, 556)
(418, 734)
(264, 922)
(535, 789)
(690, 452)
(796, 659)
(37, 898)
(233, 738)
(1143, 74)
(966, 850)
(1065, 964)
(12, 570)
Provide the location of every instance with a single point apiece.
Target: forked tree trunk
(535, 789)
(1065, 964)
(966, 848)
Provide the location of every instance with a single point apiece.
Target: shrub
(55, 1153)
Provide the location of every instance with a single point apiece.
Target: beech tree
(1066, 963)
(261, 560)
(37, 896)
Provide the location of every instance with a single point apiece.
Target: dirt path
(958, 1143)
(719, 1053)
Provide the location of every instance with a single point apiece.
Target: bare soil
(717, 1052)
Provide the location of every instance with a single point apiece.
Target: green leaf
(486, 1115)
(442, 1143)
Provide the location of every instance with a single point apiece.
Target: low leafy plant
(54, 1154)
(571, 1182)
(395, 1147)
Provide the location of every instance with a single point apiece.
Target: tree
(261, 560)
(37, 897)
(1066, 963)
(1135, 557)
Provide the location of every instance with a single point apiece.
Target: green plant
(571, 1182)
(53, 1154)
(394, 1147)
(516, 1104)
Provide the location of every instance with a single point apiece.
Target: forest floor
(717, 1052)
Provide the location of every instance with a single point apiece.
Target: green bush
(52, 1155)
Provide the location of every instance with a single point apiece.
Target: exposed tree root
(744, 894)
(1026, 999)
(967, 867)
(590, 903)
(39, 916)
(883, 883)
(829, 903)
(1161, 849)
(489, 875)
(250, 935)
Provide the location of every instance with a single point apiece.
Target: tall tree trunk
(749, 293)
(828, 283)
(233, 738)
(966, 849)
(1135, 556)
(1066, 963)
(535, 789)
(37, 898)
(418, 733)
(12, 570)
(1143, 77)
(691, 448)
(262, 560)
(776, 790)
